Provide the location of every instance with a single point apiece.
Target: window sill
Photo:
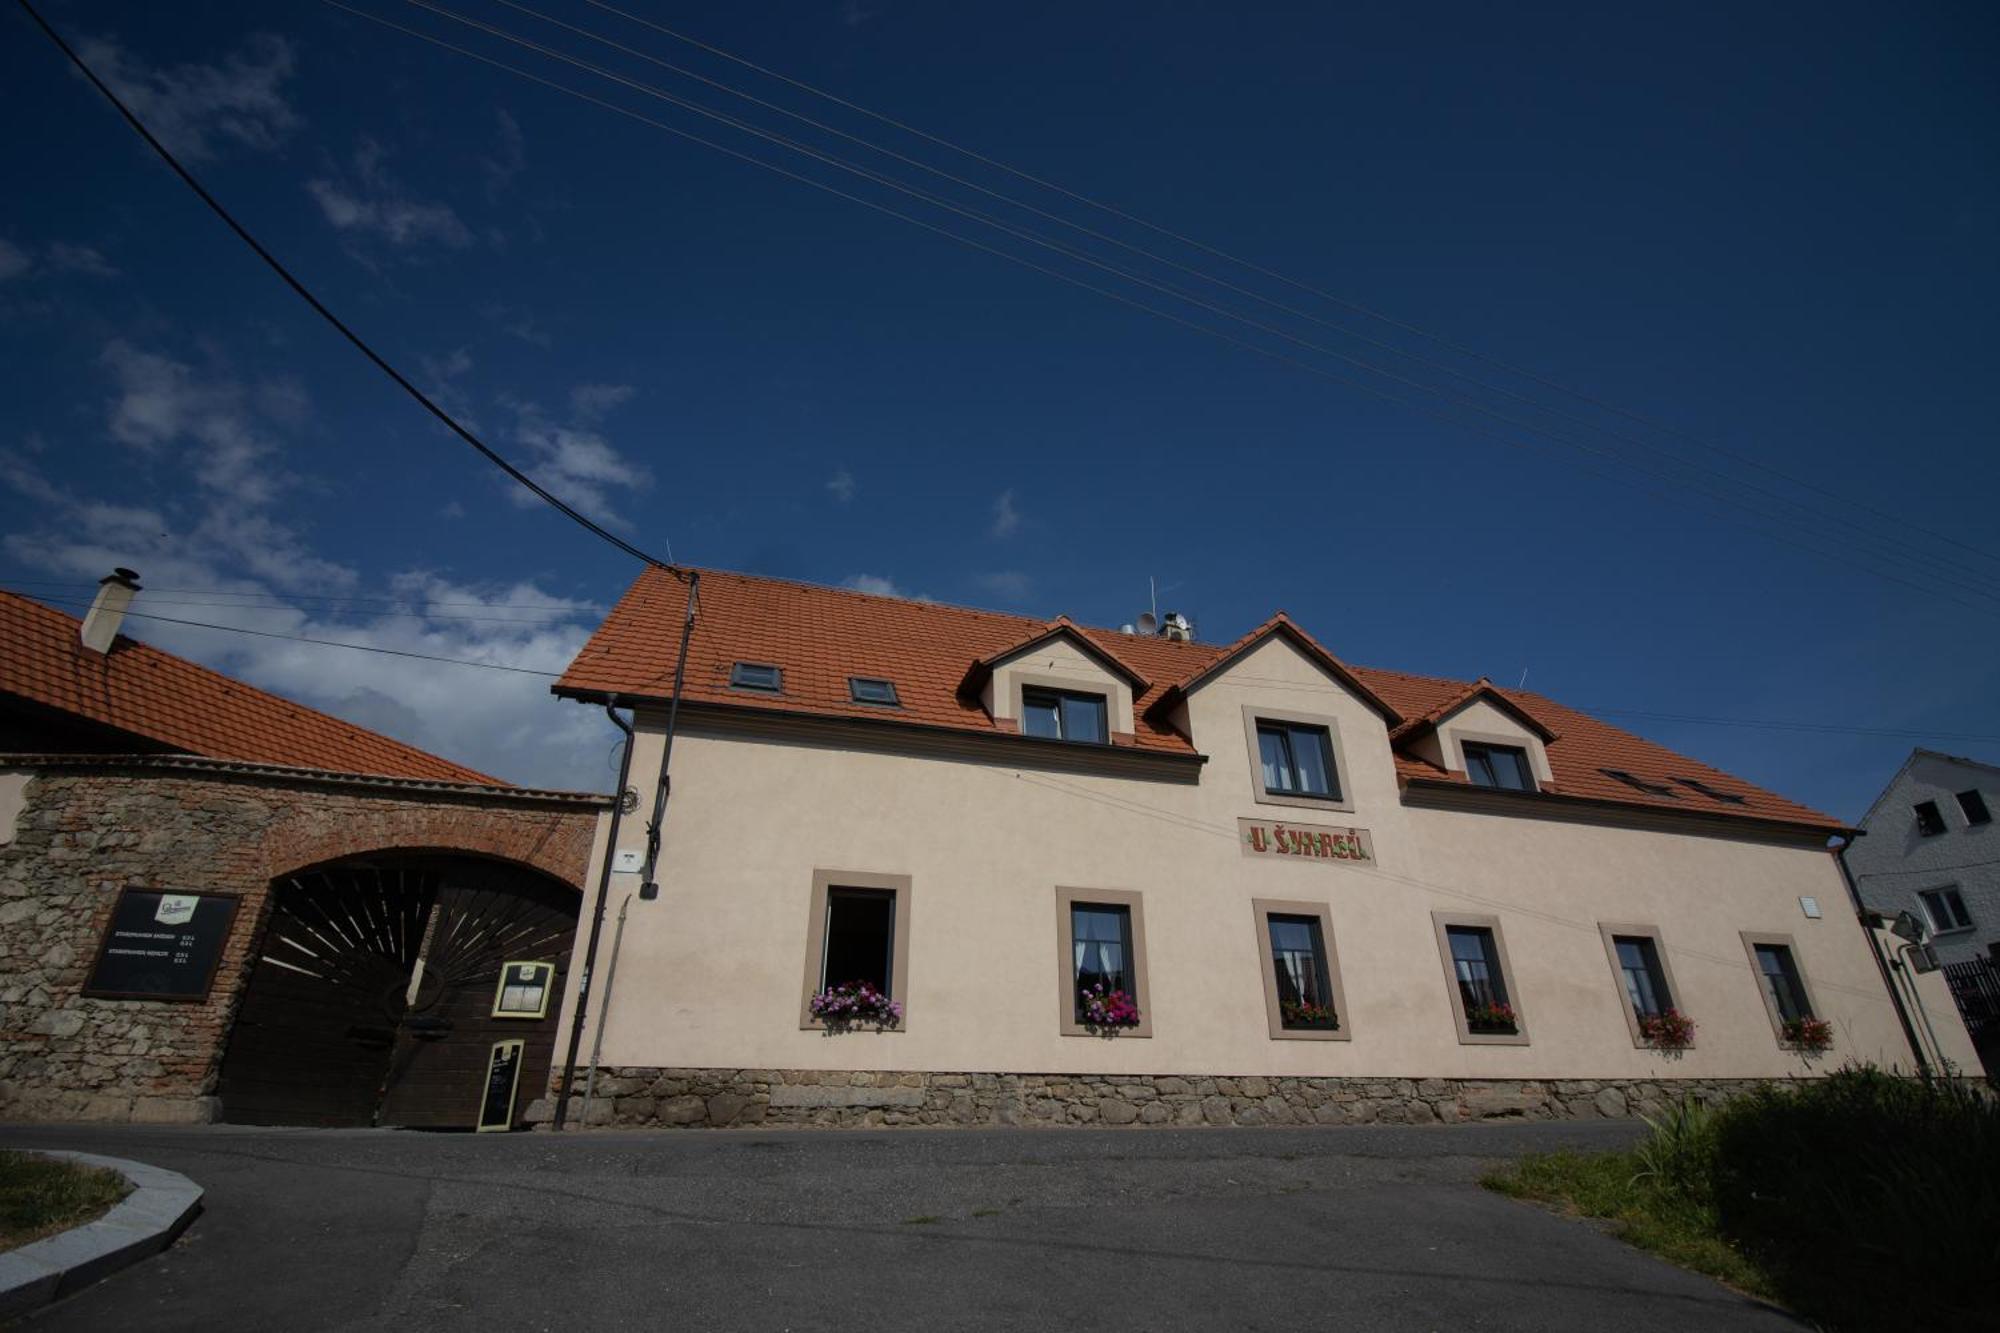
(1470, 1038)
(1340, 804)
(1144, 1031)
(1312, 1034)
(1955, 930)
(849, 1029)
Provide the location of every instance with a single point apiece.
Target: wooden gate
(371, 1000)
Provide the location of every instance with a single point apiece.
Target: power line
(1199, 274)
(1928, 870)
(287, 598)
(355, 647)
(1690, 719)
(1034, 238)
(371, 614)
(319, 307)
(1293, 283)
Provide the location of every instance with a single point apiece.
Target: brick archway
(557, 843)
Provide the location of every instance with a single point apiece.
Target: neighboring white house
(1931, 848)
(1323, 892)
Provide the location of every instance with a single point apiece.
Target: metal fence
(1975, 986)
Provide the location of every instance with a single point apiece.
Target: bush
(1863, 1200)
(1866, 1197)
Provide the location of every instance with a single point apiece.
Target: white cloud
(372, 203)
(84, 259)
(592, 402)
(498, 722)
(575, 461)
(882, 586)
(508, 159)
(194, 108)
(14, 260)
(160, 402)
(841, 486)
(1008, 584)
(1006, 517)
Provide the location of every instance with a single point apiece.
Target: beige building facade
(1420, 900)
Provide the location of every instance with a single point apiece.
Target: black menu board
(503, 1079)
(162, 945)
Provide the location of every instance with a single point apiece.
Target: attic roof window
(1693, 784)
(1640, 784)
(870, 690)
(756, 676)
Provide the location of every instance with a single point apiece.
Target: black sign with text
(503, 1077)
(162, 945)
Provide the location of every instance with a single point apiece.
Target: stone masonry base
(631, 1097)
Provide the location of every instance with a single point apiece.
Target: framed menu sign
(162, 945)
(524, 990)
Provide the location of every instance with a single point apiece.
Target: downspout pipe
(596, 915)
(649, 884)
(1866, 918)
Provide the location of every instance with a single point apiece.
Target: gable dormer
(1057, 684)
(1484, 737)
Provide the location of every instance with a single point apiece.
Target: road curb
(141, 1224)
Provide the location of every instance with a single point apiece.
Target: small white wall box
(1810, 906)
(628, 863)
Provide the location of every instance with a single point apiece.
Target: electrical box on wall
(628, 863)
(1810, 906)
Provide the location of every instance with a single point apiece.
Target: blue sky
(1772, 232)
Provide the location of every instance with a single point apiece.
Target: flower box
(855, 1004)
(1668, 1030)
(1811, 1035)
(1108, 1011)
(1305, 1014)
(1492, 1020)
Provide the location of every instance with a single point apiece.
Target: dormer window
(1297, 760)
(758, 676)
(1502, 766)
(1064, 715)
(869, 690)
(1930, 819)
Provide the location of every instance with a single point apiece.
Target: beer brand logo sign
(1304, 842)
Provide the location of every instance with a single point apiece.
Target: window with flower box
(1646, 991)
(1102, 963)
(857, 949)
(1484, 1002)
(1302, 992)
(1787, 996)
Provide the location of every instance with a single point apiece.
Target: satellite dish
(1148, 623)
(1906, 926)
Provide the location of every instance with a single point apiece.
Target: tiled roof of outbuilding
(821, 636)
(189, 708)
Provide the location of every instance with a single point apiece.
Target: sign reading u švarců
(1275, 838)
(161, 946)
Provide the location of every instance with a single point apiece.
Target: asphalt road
(1373, 1227)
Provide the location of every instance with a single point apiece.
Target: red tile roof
(174, 702)
(820, 636)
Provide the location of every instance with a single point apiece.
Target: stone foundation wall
(667, 1098)
(83, 833)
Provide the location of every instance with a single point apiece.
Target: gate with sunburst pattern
(371, 999)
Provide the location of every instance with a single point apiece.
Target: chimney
(114, 593)
(1176, 626)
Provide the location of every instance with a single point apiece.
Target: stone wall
(666, 1098)
(87, 831)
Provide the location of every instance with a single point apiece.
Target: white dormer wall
(1479, 720)
(1278, 680)
(1060, 665)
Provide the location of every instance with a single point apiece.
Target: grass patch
(40, 1196)
(1611, 1187)
(921, 1220)
(1862, 1200)
(986, 1212)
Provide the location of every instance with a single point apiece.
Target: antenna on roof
(1524, 679)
